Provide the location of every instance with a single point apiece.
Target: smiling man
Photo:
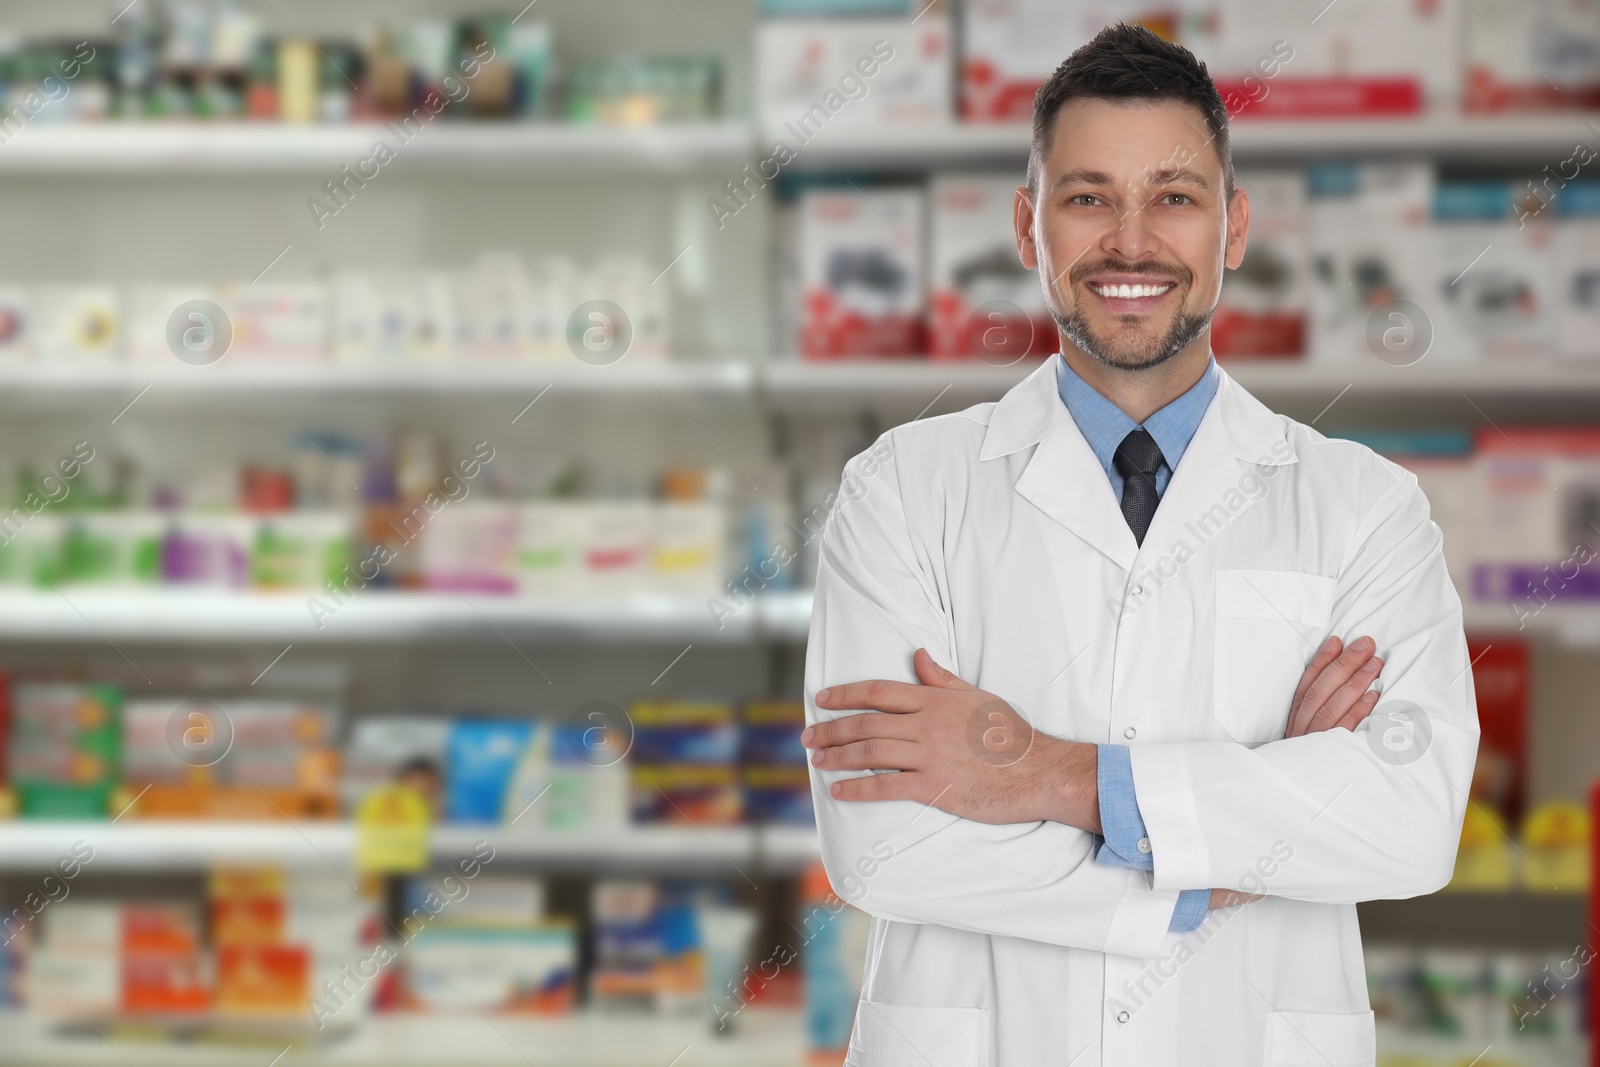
(1093, 680)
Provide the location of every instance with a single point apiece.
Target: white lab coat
(992, 537)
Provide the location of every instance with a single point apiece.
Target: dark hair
(1126, 62)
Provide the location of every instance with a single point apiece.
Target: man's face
(1131, 230)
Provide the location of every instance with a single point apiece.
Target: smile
(1129, 292)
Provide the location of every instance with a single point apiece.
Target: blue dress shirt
(1104, 425)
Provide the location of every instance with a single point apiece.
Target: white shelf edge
(1445, 135)
(786, 384)
(160, 844)
(169, 614)
(254, 149)
(247, 148)
(318, 376)
(94, 615)
(761, 1037)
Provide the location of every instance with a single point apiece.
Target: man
(1093, 666)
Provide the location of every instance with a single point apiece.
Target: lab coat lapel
(1236, 435)
(1063, 478)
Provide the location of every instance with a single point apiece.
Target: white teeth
(1131, 292)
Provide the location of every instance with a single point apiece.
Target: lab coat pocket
(1304, 1038)
(1269, 624)
(901, 1035)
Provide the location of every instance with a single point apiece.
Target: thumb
(930, 673)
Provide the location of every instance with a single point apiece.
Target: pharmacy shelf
(795, 385)
(730, 851)
(243, 148)
(1573, 624)
(169, 615)
(1513, 1049)
(131, 843)
(787, 616)
(178, 616)
(847, 383)
(788, 385)
(760, 1038)
(240, 148)
(1492, 139)
(789, 847)
(168, 379)
(1511, 920)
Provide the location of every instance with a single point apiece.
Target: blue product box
(481, 757)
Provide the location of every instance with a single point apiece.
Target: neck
(1141, 391)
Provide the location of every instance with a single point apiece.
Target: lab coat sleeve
(1340, 816)
(899, 860)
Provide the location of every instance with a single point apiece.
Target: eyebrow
(1160, 177)
(1179, 174)
(1083, 177)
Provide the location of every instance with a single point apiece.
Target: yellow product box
(1555, 846)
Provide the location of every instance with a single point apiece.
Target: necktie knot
(1138, 454)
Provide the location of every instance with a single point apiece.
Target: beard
(1185, 329)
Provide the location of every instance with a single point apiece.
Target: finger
(1358, 714)
(1346, 696)
(931, 673)
(874, 754)
(850, 728)
(1325, 655)
(896, 786)
(1231, 898)
(878, 694)
(1332, 677)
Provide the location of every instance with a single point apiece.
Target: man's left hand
(955, 747)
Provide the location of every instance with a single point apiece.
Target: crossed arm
(993, 843)
(1017, 774)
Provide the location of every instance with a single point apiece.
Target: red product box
(1500, 673)
(1321, 98)
(863, 290)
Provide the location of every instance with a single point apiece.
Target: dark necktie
(1137, 459)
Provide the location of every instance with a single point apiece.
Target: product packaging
(863, 290)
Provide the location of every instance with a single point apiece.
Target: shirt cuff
(1127, 844)
(1191, 910)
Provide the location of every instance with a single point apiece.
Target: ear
(1022, 222)
(1238, 228)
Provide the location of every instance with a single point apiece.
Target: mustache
(1175, 272)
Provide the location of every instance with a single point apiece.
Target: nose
(1131, 236)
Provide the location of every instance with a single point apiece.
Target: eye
(1177, 199)
(1086, 200)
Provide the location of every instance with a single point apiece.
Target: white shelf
(1444, 136)
(790, 847)
(246, 149)
(795, 384)
(158, 844)
(727, 850)
(763, 1038)
(172, 379)
(254, 149)
(167, 614)
(132, 844)
(785, 383)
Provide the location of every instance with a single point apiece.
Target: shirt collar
(1104, 425)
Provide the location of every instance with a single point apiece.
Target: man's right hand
(1333, 691)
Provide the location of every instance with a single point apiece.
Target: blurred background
(419, 417)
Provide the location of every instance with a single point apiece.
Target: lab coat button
(1130, 733)
(1122, 1016)
(1138, 590)
(1144, 845)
